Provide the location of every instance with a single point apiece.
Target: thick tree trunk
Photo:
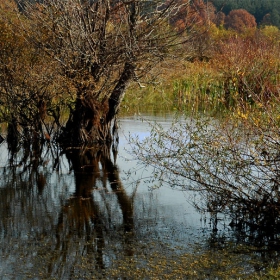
(91, 120)
(119, 91)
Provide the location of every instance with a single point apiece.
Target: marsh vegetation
(74, 199)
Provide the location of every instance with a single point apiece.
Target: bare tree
(30, 89)
(100, 46)
(233, 164)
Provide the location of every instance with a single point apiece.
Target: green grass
(187, 87)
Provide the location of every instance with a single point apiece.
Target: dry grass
(179, 85)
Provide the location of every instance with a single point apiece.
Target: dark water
(72, 216)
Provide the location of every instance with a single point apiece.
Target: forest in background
(225, 59)
(265, 12)
(223, 13)
(229, 60)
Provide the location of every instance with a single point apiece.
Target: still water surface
(73, 222)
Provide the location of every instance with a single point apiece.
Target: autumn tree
(266, 20)
(198, 13)
(98, 48)
(197, 20)
(258, 8)
(240, 20)
(27, 81)
(219, 19)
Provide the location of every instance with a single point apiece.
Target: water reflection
(83, 217)
(67, 214)
(83, 223)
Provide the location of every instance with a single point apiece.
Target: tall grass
(184, 86)
(243, 72)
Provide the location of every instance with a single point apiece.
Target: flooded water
(74, 215)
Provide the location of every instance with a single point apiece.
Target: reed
(244, 71)
(186, 86)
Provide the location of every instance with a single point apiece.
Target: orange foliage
(249, 65)
(198, 13)
(240, 20)
(220, 19)
(266, 20)
(7, 5)
(11, 41)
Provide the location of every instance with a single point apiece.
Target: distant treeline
(265, 11)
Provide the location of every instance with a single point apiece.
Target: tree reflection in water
(84, 229)
(56, 225)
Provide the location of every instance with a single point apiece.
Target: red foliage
(240, 20)
(266, 20)
(197, 13)
(220, 19)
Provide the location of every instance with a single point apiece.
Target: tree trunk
(91, 120)
(119, 91)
